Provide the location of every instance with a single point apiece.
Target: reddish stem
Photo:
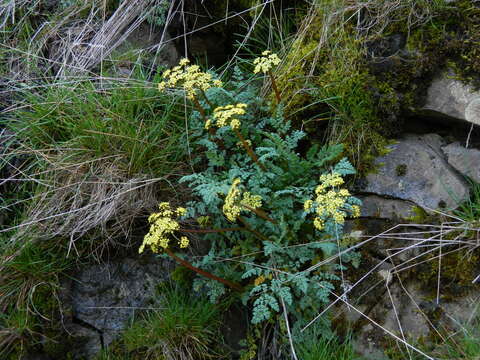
(185, 263)
(261, 214)
(250, 152)
(206, 99)
(274, 86)
(201, 110)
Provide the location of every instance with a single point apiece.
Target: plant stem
(250, 152)
(201, 110)
(206, 99)
(261, 214)
(185, 263)
(274, 86)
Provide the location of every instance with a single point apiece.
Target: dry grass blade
(87, 51)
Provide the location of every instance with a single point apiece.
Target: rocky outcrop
(415, 170)
(466, 161)
(394, 291)
(452, 99)
(104, 297)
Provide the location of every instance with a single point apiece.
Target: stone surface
(156, 43)
(104, 298)
(397, 312)
(416, 170)
(450, 98)
(466, 161)
(410, 313)
(383, 208)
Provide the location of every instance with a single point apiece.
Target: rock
(104, 298)
(415, 170)
(87, 342)
(463, 311)
(154, 42)
(449, 98)
(382, 208)
(397, 312)
(465, 161)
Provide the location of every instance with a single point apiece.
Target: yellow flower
(259, 280)
(355, 211)
(183, 242)
(189, 77)
(181, 211)
(318, 223)
(308, 205)
(227, 115)
(230, 207)
(208, 124)
(330, 202)
(240, 144)
(252, 201)
(265, 63)
(235, 203)
(162, 225)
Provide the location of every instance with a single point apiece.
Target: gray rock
(88, 342)
(382, 208)
(156, 45)
(397, 312)
(415, 170)
(450, 98)
(104, 298)
(466, 161)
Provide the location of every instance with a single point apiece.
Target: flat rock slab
(104, 297)
(416, 170)
(466, 161)
(450, 98)
(374, 206)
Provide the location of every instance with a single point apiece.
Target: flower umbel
(162, 225)
(265, 62)
(235, 203)
(227, 115)
(188, 77)
(331, 202)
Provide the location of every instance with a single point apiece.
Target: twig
(185, 263)
(290, 340)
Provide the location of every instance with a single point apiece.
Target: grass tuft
(186, 327)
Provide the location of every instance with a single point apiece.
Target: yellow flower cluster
(226, 115)
(234, 202)
(189, 77)
(330, 203)
(161, 226)
(265, 63)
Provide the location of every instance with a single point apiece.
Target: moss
(421, 216)
(449, 40)
(401, 170)
(457, 271)
(333, 83)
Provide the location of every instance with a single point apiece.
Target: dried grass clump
(94, 200)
